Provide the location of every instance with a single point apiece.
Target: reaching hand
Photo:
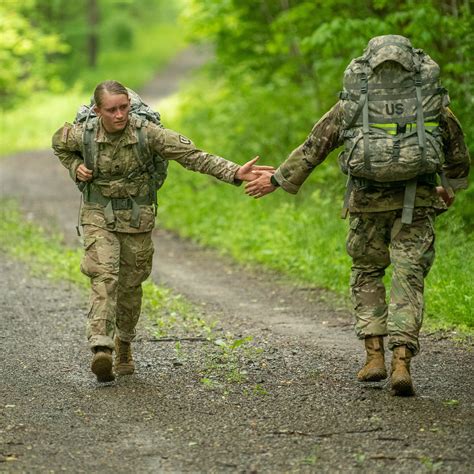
(260, 186)
(248, 171)
(83, 173)
(445, 196)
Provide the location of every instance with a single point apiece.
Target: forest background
(277, 67)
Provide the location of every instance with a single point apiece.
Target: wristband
(274, 181)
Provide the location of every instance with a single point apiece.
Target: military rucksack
(152, 163)
(392, 102)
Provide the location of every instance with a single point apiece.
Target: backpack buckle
(401, 128)
(343, 95)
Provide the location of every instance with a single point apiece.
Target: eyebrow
(116, 107)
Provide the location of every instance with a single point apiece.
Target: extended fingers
(250, 163)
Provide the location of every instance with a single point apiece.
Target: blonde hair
(112, 87)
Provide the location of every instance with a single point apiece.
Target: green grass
(43, 253)
(32, 126)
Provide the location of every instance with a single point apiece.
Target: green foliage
(31, 124)
(25, 52)
(311, 41)
(54, 44)
(280, 67)
(153, 46)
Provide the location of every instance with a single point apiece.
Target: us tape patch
(184, 140)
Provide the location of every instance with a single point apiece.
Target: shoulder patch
(66, 129)
(184, 140)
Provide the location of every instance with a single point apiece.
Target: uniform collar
(129, 136)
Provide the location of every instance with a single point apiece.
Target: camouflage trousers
(117, 264)
(376, 240)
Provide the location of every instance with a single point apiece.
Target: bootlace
(124, 352)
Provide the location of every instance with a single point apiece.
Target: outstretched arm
(173, 146)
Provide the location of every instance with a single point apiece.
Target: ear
(96, 109)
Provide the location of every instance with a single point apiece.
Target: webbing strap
(360, 105)
(90, 145)
(135, 217)
(393, 128)
(420, 119)
(347, 196)
(409, 202)
(446, 185)
(409, 95)
(109, 213)
(430, 114)
(365, 121)
(390, 85)
(145, 158)
(396, 149)
(110, 205)
(96, 197)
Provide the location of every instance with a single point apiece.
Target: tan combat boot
(102, 364)
(124, 364)
(401, 378)
(374, 368)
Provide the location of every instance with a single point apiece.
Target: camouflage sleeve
(173, 146)
(67, 146)
(325, 137)
(457, 161)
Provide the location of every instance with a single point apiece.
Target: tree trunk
(93, 37)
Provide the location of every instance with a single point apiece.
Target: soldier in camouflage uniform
(118, 216)
(377, 238)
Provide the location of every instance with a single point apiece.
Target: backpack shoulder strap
(90, 145)
(420, 119)
(142, 150)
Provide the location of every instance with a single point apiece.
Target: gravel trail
(299, 410)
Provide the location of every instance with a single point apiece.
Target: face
(114, 111)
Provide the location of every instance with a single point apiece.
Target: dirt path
(300, 410)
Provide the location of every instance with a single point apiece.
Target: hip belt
(94, 196)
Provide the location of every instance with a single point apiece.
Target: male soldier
(118, 214)
(389, 128)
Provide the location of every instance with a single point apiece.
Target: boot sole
(372, 378)
(403, 388)
(124, 370)
(375, 375)
(102, 368)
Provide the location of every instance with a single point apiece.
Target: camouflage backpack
(154, 164)
(392, 101)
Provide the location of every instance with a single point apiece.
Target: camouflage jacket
(117, 160)
(327, 135)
